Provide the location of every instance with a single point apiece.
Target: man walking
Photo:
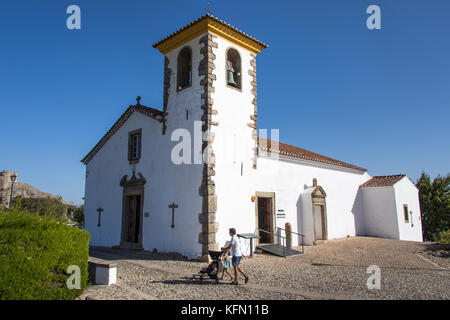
(237, 255)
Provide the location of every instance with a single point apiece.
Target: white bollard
(105, 275)
(102, 271)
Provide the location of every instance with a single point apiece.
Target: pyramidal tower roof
(211, 24)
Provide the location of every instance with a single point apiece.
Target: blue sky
(382, 96)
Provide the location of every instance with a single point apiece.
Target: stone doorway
(265, 213)
(318, 196)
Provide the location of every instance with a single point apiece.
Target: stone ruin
(5, 186)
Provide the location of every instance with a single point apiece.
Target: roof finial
(138, 99)
(208, 9)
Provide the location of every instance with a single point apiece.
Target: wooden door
(132, 219)
(265, 219)
(318, 222)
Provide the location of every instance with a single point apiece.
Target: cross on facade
(138, 100)
(99, 215)
(173, 206)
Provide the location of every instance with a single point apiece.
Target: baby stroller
(214, 268)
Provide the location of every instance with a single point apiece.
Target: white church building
(177, 179)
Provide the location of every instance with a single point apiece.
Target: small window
(405, 213)
(233, 68)
(184, 67)
(134, 145)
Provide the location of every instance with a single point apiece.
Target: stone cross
(173, 206)
(99, 215)
(138, 100)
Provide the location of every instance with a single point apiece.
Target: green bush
(444, 237)
(43, 206)
(35, 252)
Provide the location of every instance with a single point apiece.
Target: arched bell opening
(233, 68)
(184, 68)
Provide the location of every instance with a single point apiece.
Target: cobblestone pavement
(333, 270)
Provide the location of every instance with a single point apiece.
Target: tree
(435, 204)
(78, 214)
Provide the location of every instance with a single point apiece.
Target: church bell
(231, 78)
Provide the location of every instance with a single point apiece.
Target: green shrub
(43, 206)
(444, 236)
(35, 252)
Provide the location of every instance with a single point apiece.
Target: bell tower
(210, 78)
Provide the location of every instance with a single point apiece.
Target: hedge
(35, 253)
(444, 237)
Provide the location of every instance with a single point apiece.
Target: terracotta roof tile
(293, 151)
(383, 181)
(147, 111)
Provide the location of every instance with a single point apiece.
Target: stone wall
(254, 117)
(167, 75)
(207, 217)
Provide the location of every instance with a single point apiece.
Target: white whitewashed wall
(383, 211)
(380, 215)
(233, 145)
(407, 193)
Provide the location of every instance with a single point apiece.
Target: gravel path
(112, 292)
(334, 270)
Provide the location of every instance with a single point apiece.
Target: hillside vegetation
(53, 207)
